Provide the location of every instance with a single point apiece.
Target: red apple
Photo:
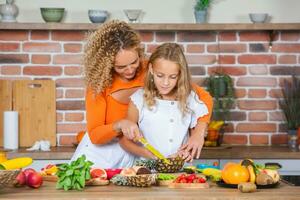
(111, 172)
(28, 171)
(34, 180)
(20, 179)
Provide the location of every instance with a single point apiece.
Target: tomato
(98, 173)
(201, 180)
(183, 181)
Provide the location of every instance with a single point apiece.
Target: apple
(34, 180)
(20, 179)
(28, 171)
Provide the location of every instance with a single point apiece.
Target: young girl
(167, 109)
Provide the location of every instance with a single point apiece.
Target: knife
(153, 150)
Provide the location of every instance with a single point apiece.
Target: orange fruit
(235, 173)
(79, 136)
(98, 173)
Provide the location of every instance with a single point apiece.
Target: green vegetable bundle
(73, 175)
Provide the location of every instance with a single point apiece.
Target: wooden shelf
(155, 27)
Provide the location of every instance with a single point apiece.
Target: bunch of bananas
(215, 125)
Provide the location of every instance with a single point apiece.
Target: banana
(251, 173)
(215, 174)
(16, 163)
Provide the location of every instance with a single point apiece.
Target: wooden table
(48, 191)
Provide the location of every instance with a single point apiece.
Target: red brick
(67, 59)
(70, 105)
(59, 117)
(276, 116)
(257, 104)
(40, 59)
(201, 59)
(256, 82)
(227, 36)
(9, 47)
(187, 36)
(227, 48)
(286, 48)
(257, 59)
(275, 93)
(229, 128)
(67, 140)
(151, 48)
(70, 82)
(256, 127)
(41, 47)
(199, 81)
(71, 71)
(13, 35)
(195, 48)
(237, 116)
(197, 71)
(59, 93)
(254, 36)
(226, 59)
(290, 35)
(73, 48)
(257, 93)
(287, 59)
(14, 58)
(10, 70)
(165, 36)
(258, 70)
(74, 117)
(70, 128)
(75, 93)
(68, 35)
(259, 139)
(233, 71)
(283, 70)
(39, 35)
(235, 139)
(42, 70)
(146, 36)
(279, 139)
(258, 116)
(240, 93)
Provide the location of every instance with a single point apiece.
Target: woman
(114, 70)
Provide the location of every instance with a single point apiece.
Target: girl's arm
(129, 145)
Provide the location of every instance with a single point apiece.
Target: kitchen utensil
(97, 16)
(258, 17)
(52, 14)
(153, 150)
(35, 101)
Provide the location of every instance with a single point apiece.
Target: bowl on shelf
(97, 16)
(52, 14)
(133, 15)
(258, 17)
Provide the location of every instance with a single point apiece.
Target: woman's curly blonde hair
(183, 88)
(101, 49)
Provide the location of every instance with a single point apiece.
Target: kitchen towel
(10, 130)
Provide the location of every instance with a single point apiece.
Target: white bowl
(133, 15)
(258, 17)
(97, 16)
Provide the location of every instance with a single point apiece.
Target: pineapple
(144, 180)
(150, 164)
(175, 165)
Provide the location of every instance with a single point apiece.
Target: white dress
(163, 126)
(110, 155)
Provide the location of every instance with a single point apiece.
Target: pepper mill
(9, 11)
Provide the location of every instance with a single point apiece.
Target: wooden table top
(48, 191)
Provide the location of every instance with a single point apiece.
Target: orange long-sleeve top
(103, 110)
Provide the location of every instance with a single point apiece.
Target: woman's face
(165, 74)
(127, 63)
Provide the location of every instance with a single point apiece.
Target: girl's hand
(128, 129)
(185, 155)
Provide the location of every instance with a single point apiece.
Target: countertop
(48, 191)
(155, 26)
(223, 152)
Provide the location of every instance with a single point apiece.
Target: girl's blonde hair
(174, 53)
(101, 50)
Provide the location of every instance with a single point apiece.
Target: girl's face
(127, 63)
(165, 74)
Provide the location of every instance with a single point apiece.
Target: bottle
(9, 11)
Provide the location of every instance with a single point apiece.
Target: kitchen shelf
(156, 27)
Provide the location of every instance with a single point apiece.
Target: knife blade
(154, 151)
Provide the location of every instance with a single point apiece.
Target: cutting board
(5, 103)
(36, 103)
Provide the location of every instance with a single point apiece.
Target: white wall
(164, 11)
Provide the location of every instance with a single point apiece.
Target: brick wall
(256, 69)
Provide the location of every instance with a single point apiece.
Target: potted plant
(290, 106)
(220, 87)
(200, 10)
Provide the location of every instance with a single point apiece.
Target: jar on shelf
(9, 11)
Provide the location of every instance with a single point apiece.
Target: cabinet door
(289, 166)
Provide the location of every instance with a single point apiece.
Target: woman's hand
(196, 140)
(129, 129)
(185, 155)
